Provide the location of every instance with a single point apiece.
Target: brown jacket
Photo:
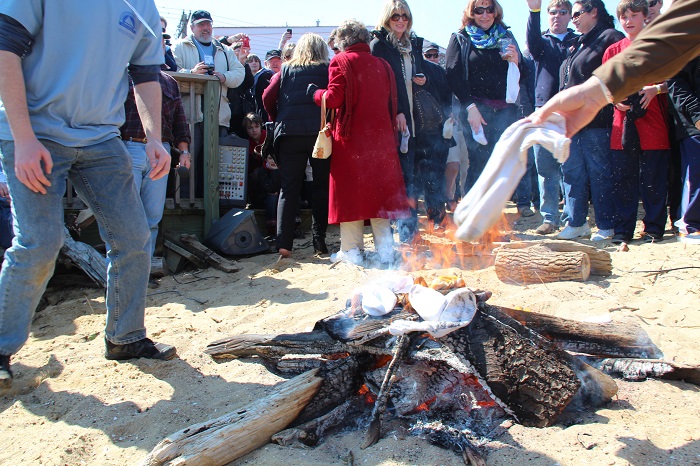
(659, 52)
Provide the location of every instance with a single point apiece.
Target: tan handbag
(324, 144)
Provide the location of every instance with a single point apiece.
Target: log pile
(504, 364)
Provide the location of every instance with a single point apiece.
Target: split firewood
(601, 262)
(222, 440)
(539, 264)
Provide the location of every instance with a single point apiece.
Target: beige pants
(352, 234)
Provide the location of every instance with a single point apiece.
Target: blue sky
(433, 19)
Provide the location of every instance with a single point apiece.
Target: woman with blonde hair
(297, 121)
(402, 49)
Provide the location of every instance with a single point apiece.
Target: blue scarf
(486, 39)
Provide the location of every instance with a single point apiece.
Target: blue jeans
(524, 192)
(549, 179)
(646, 175)
(101, 174)
(689, 221)
(152, 192)
(589, 170)
(498, 120)
(408, 227)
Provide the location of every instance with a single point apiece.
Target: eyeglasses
(402, 17)
(652, 3)
(558, 12)
(480, 10)
(576, 14)
(430, 55)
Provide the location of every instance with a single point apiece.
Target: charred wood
(641, 369)
(625, 339)
(532, 378)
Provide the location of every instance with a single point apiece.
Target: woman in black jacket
(589, 167)
(394, 42)
(298, 119)
(478, 59)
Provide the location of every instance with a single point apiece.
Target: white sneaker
(574, 232)
(689, 238)
(353, 256)
(602, 235)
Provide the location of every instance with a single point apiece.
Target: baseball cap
(273, 53)
(199, 16)
(430, 46)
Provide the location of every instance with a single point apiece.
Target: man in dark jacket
(684, 89)
(548, 50)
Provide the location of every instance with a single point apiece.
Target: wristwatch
(183, 152)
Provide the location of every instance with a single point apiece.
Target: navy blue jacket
(549, 53)
(297, 114)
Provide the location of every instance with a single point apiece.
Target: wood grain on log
(538, 264)
(222, 440)
(601, 262)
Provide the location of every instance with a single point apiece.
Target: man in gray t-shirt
(62, 106)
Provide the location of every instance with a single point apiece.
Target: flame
(367, 394)
(437, 248)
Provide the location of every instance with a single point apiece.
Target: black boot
(320, 245)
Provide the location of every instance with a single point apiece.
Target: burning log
(624, 340)
(601, 262)
(222, 440)
(539, 264)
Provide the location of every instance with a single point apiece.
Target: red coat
(366, 179)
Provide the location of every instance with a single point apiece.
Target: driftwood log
(86, 257)
(222, 440)
(601, 262)
(539, 264)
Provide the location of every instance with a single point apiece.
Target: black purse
(428, 115)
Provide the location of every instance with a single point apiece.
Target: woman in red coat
(366, 180)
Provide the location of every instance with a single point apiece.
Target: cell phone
(420, 75)
(289, 31)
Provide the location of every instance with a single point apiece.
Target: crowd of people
(404, 128)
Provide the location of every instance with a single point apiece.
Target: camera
(209, 62)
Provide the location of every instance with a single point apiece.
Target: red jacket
(652, 127)
(366, 179)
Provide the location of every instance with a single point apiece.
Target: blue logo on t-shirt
(128, 22)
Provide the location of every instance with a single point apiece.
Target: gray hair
(351, 32)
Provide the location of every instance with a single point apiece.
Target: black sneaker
(5, 372)
(145, 348)
(620, 238)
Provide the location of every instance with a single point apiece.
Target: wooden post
(211, 101)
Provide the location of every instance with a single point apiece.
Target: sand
(69, 405)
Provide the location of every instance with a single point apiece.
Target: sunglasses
(480, 10)
(430, 55)
(402, 17)
(576, 14)
(558, 12)
(653, 3)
